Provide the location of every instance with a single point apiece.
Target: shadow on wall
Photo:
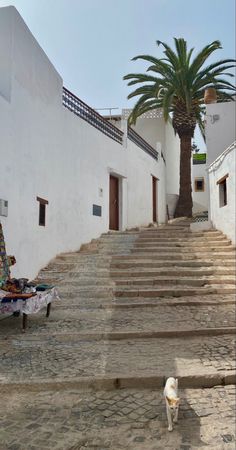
(171, 200)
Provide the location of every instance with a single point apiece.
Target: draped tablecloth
(30, 305)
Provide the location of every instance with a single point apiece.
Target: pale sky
(91, 42)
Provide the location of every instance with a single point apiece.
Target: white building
(66, 174)
(161, 136)
(200, 189)
(220, 125)
(221, 146)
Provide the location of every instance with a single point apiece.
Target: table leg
(48, 310)
(24, 326)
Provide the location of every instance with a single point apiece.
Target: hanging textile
(4, 262)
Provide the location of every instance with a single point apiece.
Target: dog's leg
(170, 427)
(176, 415)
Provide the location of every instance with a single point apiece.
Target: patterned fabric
(4, 261)
(31, 305)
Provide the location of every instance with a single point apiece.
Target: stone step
(92, 282)
(162, 235)
(131, 274)
(121, 381)
(145, 283)
(178, 242)
(131, 262)
(163, 291)
(185, 281)
(164, 232)
(160, 232)
(181, 236)
(75, 302)
(165, 229)
(196, 319)
(160, 334)
(165, 237)
(181, 244)
(185, 249)
(81, 280)
(185, 301)
(173, 271)
(64, 360)
(203, 256)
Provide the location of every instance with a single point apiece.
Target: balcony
(84, 111)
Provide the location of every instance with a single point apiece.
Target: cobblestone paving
(117, 420)
(149, 319)
(67, 357)
(143, 319)
(58, 350)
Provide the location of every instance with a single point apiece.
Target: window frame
(223, 197)
(42, 211)
(203, 184)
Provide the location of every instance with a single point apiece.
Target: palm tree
(177, 85)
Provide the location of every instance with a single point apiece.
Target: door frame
(155, 199)
(111, 175)
(123, 218)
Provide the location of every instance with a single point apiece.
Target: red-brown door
(154, 199)
(114, 203)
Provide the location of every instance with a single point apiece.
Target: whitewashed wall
(172, 157)
(160, 134)
(223, 218)
(49, 152)
(200, 199)
(220, 128)
(151, 129)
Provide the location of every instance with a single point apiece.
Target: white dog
(172, 401)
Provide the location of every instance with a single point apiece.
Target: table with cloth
(26, 304)
(17, 296)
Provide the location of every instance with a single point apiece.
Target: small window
(42, 211)
(223, 191)
(199, 184)
(42, 214)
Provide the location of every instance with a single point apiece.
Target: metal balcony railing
(91, 116)
(140, 142)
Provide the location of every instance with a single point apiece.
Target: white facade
(220, 123)
(49, 152)
(200, 197)
(160, 134)
(222, 171)
(220, 134)
(172, 158)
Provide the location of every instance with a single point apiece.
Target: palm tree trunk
(185, 203)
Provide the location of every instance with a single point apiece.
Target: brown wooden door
(114, 203)
(154, 199)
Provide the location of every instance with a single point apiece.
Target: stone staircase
(175, 262)
(136, 307)
(148, 304)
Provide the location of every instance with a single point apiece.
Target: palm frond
(172, 57)
(180, 81)
(140, 78)
(148, 58)
(200, 59)
(218, 64)
(146, 89)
